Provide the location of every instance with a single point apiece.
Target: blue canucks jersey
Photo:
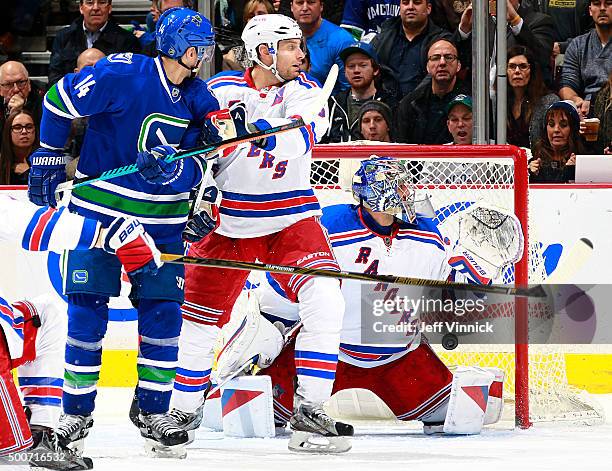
(131, 106)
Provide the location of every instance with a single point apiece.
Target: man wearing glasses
(18, 92)
(422, 114)
(93, 28)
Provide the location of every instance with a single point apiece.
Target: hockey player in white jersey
(33, 333)
(268, 212)
(383, 235)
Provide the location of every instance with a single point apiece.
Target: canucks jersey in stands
(119, 127)
(361, 245)
(266, 190)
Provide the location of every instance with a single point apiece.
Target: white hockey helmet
(269, 30)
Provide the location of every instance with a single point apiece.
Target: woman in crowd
(19, 139)
(528, 98)
(554, 155)
(235, 57)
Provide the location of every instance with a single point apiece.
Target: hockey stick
(307, 117)
(575, 259)
(288, 336)
(536, 291)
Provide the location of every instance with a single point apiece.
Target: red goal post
(512, 159)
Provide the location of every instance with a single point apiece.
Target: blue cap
(363, 48)
(569, 107)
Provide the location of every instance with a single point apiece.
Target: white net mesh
(452, 179)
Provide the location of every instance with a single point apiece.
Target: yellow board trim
(589, 371)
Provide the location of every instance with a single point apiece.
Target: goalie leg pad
(254, 336)
(468, 401)
(495, 404)
(247, 407)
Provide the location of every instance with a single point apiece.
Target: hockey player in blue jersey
(140, 109)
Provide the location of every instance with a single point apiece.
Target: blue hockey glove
(199, 226)
(226, 124)
(154, 169)
(47, 170)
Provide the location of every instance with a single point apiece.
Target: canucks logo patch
(80, 276)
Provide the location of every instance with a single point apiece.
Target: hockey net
(453, 178)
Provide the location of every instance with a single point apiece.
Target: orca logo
(80, 277)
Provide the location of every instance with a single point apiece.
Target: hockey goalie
(383, 234)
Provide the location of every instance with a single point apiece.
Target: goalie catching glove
(127, 239)
(490, 239)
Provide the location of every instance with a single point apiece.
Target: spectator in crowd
(402, 42)
(460, 121)
(19, 92)
(554, 155)
(447, 13)
(19, 139)
(93, 28)
(147, 35)
(235, 58)
(324, 40)
(588, 59)
(363, 18)
(571, 18)
(421, 117)
(528, 98)
(375, 122)
(602, 109)
(87, 58)
(362, 72)
(526, 27)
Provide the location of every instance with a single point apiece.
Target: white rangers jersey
(38, 228)
(412, 250)
(266, 190)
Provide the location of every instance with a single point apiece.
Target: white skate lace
(70, 424)
(179, 416)
(163, 423)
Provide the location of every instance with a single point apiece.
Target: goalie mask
(269, 30)
(382, 185)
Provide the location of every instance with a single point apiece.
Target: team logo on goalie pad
(246, 405)
(480, 395)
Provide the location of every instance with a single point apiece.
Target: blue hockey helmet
(382, 184)
(178, 29)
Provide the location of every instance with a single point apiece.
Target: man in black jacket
(93, 29)
(364, 75)
(421, 117)
(402, 41)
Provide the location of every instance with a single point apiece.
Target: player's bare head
(14, 79)
(307, 13)
(95, 13)
(89, 57)
(382, 185)
(274, 42)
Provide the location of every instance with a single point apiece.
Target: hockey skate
(163, 437)
(72, 430)
(313, 431)
(188, 421)
(47, 452)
